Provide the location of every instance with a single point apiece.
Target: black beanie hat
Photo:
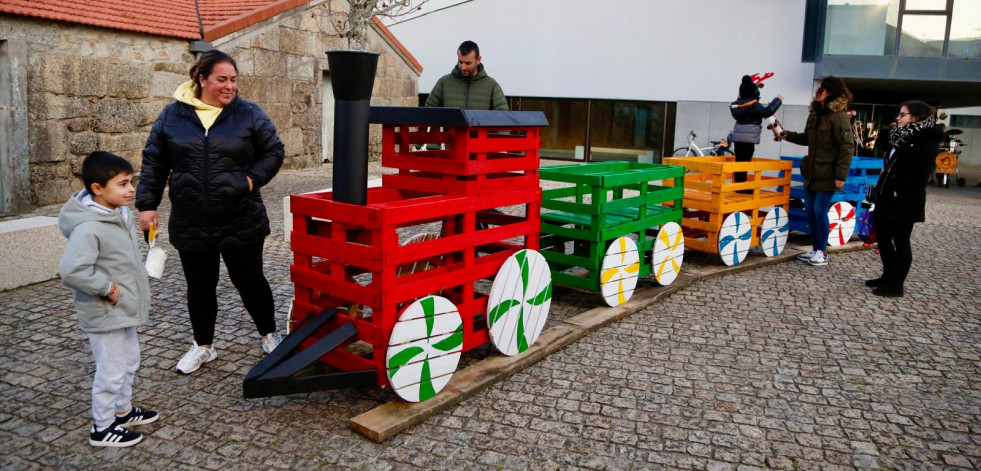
(748, 89)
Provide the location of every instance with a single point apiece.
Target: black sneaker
(114, 436)
(137, 416)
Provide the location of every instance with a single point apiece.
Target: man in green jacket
(468, 86)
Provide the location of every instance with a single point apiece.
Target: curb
(389, 419)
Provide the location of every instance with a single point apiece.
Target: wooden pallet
(863, 173)
(346, 255)
(711, 195)
(603, 202)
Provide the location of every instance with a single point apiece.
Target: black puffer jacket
(900, 194)
(206, 170)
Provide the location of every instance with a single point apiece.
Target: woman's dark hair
(206, 63)
(918, 110)
(836, 88)
(100, 167)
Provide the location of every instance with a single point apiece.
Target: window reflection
(626, 130)
(965, 30)
(566, 124)
(861, 28)
(923, 36)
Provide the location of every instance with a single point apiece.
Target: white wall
(689, 50)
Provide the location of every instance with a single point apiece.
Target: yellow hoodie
(206, 113)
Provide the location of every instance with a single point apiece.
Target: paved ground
(784, 367)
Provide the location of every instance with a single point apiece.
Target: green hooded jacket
(479, 92)
(830, 146)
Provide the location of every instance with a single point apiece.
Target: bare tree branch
(353, 23)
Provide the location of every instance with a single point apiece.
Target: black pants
(244, 266)
(744, 153)
(895, 250)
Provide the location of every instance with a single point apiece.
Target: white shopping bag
(156, 257)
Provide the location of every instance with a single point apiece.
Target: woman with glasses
(900, 193)
(830, 147)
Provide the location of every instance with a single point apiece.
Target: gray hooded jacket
(102, 249)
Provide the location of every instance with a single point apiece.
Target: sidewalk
(786, 366)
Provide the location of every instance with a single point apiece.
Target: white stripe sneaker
(114, 436)
(806, 256)
(271, 341)
(195, 357)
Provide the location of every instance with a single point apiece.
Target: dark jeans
(895, 250)
(244, 266)
(816, 206)
(744, 153)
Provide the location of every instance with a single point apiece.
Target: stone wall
(92, 88)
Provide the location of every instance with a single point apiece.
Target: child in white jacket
(102, 265)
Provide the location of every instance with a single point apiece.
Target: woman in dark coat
(900, 194)
(215, 150)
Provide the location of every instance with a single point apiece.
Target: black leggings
(245, 270)
(744, 153)
(895, 250)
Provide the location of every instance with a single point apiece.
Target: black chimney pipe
(352, 76)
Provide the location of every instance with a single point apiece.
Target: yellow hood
(206, 113)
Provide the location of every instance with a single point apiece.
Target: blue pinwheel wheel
(774, 230)
(734, 238)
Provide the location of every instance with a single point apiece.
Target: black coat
(900, 193)
(211, 203)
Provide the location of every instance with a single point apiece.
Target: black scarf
(902, 135)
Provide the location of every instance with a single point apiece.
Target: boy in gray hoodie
(102, 265)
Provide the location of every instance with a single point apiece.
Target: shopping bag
(156, 257)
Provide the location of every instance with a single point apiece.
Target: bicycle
(716, 147)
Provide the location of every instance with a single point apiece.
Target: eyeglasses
(902, 114)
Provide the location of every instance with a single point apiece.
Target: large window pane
(965, 29)
(861, 27)
(940, 5)
(565, 136)
(923, 36)
(626, 130)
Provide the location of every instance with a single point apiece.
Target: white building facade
(641, 74)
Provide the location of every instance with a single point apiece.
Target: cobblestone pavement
(783, 367)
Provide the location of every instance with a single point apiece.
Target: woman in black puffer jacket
(900, 194)
(216, 150)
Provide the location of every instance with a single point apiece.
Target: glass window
(861, 27)
(923, 36)
(926, 5)
(965, 29)
(565, 136)
(626, 130)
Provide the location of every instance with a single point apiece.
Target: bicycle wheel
(682, 152)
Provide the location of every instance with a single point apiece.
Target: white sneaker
(271, 341)
(195, 357)
(806, 256)
(819, 259)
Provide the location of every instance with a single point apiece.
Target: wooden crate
(711, 194)
(602, 202)
(459, 152)
(349, 255)
(863, 173)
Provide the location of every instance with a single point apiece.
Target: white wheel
(735, 238)
(519, 301)
(619, 271)
(424, 348)
(841, 217)
(669, 253)
(773, 231)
